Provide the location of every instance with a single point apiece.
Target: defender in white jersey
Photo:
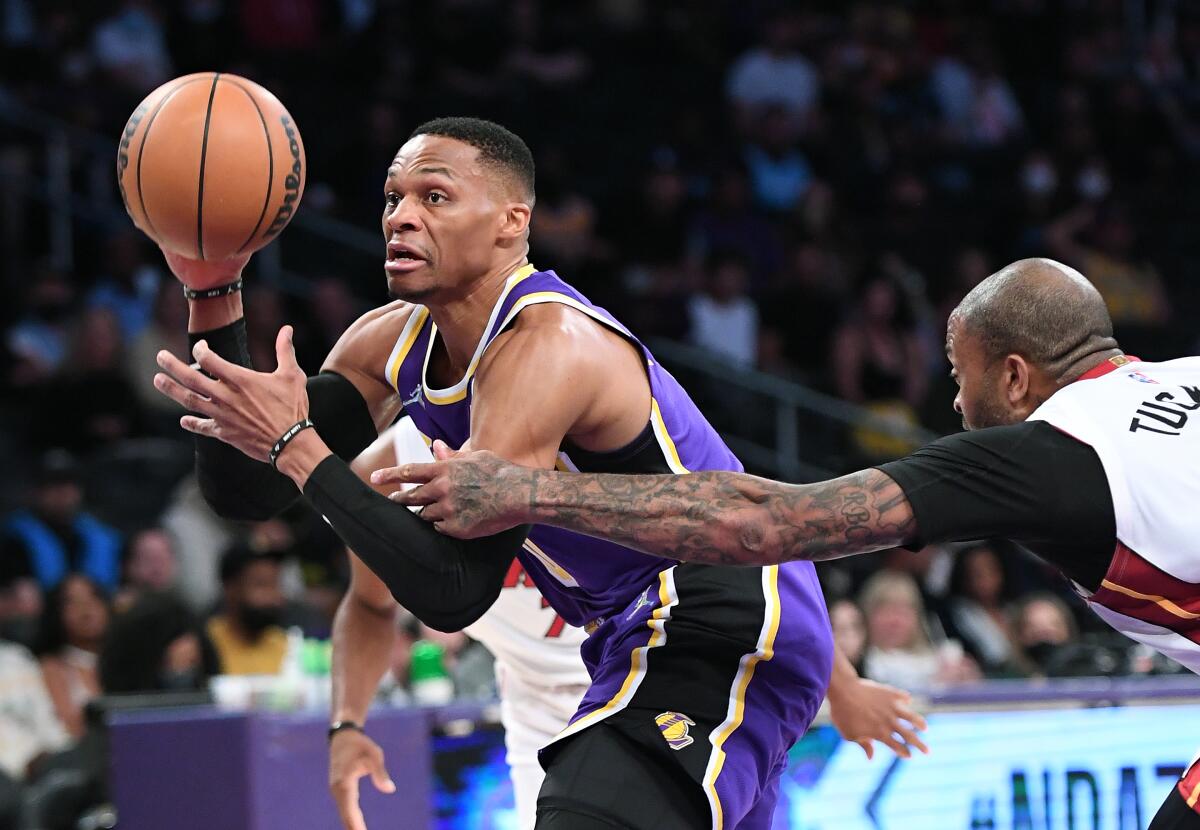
(539, 673)
(1085, 455)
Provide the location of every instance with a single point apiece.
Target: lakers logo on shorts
(674, 728)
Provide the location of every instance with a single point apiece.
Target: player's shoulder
(371, 335)
(553, 335)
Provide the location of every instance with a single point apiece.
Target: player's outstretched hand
(465, 494)
(201, 274)
(351, 756)
(245, 409)
(866, 711)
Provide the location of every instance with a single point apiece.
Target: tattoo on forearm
(727, 518)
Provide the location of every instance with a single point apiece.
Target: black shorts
(1175, 813)
(603, 778)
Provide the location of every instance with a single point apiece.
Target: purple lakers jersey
(720, 669)
(582, 577)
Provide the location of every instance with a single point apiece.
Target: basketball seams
(270, 163)
(142, 148)
(212, 93)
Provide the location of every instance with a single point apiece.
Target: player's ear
(514, 224)
(1016, 378)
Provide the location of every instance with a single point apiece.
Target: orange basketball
(211, 165)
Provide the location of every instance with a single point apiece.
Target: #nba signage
(1072, 769)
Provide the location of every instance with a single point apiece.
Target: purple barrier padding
(183, 769)
(199, 769)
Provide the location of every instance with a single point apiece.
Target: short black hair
(497, 145)
(240, 556)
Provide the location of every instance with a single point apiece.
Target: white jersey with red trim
(520, 629)
(1143, 421)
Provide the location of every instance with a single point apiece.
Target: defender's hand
(245, 409)
(200, 274)
(351, 756)
(465, 494)
(865, 711)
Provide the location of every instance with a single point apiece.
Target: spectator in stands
(131, 46)
(29, 729)
(247, 634)
(878, 361)
(977, 610)
(150, 565)
(849, 631)
(167, 329)
(91, 403)
(899, 650)
(1102, 242)
(130, 287)
(158, 645)
(1045, 632)
(55, 535)
(74, 622)
(780, 174)
(724, 320)
(775, 73)
(38, 341)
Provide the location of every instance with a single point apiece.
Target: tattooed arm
(719, 518)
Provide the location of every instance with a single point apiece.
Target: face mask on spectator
(258, 618)
(1039, 179)
(1092, 183)
(179, 680)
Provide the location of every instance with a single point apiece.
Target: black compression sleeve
(238, 487)
(446, 583)
(1028, 482)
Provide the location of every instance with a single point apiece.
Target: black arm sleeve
(237, 487)
(446, 583)
(1028, 482)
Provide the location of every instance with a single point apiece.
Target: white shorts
(532, 716)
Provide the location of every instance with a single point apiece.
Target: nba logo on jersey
(674, 728)
(1138, 376)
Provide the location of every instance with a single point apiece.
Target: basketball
(211, 165)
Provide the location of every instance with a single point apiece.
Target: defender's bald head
(1042, 310)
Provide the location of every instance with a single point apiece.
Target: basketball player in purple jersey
(702, 677)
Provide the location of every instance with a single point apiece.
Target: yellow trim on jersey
(1191, 801)
(458, 391)
(664, 439)
(1161, 602)
(404, 343)
(741, 682)
(667, 600)
(556, 570)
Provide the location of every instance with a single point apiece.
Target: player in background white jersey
(539, 672)
(1086, 455)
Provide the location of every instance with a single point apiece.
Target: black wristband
(342, 725)
(285, 439)
(209, 293)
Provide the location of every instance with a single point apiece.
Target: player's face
(981, 399)
(440, 219)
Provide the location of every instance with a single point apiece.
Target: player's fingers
(380, 778)
(217, 366)
(867, 747)
(345, 796)
(188, 376)
(434, 512)
(189, 400)
(285, 352)
(442, 451)
(406, 474)
(910, 737)
(919, 723)
(416, 497)
(897, 747)
(200, 426)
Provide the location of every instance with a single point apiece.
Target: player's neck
(462, 320)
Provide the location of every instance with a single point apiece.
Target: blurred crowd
(805, 191)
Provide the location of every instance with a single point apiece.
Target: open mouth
(402, 257)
